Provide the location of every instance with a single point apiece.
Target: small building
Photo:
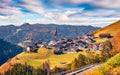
(53, 42)
(104, 35)
(29, 49)
(91, 36)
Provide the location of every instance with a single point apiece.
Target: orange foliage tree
(116, 44)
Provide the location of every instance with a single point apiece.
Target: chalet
(104, 35)
(90, 46)
(52, 43)
(90, 36)
(101, 45)
(74, 49)
(95, 46)
(29, 49)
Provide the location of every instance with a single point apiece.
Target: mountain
(43, 32)
(7, 50)
(113, 29)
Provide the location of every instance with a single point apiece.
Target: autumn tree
(106, 50)
(81, 60)
(19, 69)
(55, 70)
(74, 64)
(116, 44)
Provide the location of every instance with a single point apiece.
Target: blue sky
(75, 12)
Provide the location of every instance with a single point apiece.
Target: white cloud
(107, 3)
(72, 16)
(33, 5)
(12, 18)
(10, 10)
(99, 3)
(6, 9)
(98, 13)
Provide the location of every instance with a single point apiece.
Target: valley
(64, 54)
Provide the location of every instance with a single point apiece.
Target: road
(88, 70)
(85, 70)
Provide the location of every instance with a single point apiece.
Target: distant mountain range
(8, 50)
(43, 32)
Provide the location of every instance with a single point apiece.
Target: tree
(96, 58)
(55, 70)
(116, 45)
(19, 69)
(89, 57)
(74, 64)
(81, 60)
(106, 51)
(46, 66)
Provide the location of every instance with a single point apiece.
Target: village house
(66, 45)
(101, 45)
(52, 43)
(29, 49)
(91, 36)
(104, 35)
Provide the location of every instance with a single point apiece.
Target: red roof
(104, 35)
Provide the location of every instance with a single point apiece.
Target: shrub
(114, 61)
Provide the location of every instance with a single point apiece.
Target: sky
(69, 12)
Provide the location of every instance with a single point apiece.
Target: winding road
(90, 69)
(85, 70)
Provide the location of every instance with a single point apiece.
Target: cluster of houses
(96, 46)
(70, 45)
(67, 45)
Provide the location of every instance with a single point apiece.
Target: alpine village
(62, 56)
(59, 37)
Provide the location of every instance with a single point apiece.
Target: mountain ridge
(17, 34)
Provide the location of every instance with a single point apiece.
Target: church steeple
(55, 32)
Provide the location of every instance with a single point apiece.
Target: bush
(114, 61)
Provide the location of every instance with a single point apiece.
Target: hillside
(110, 67)
(37, 59)
(113, 29)
(43, 32)
(116, 44)
(7, 50)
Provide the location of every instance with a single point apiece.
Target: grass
(113, 29)
(37, 59)
(100, 40)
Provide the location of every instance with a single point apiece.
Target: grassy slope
(112, 66)
(37, 59)
(113, 29)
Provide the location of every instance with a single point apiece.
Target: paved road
(88, 70)
(85, 70)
